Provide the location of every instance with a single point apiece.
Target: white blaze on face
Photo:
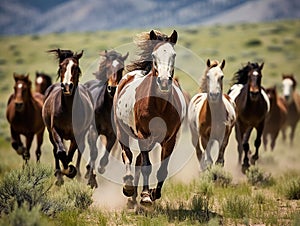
(164, 56)
(115, 63)
(39, 80)
(287, 86)
(214, 82)
(68, 73)
(20, 85)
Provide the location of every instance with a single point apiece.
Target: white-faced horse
(211, 116)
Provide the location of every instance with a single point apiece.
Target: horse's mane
(241, 76)
(146, 46)
(108, 56)
(292, 77)
(203, 84)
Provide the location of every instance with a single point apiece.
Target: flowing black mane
(241, 76)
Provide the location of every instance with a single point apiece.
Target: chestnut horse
(24, 113)
(253, 105)
(292, 102)
(149, 106)
(67, 113)
(211, 116)
(275, 118)
(103, 89)
(42, 82)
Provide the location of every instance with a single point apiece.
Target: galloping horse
(67, 113)
(24, 113)
(275, 118)
(149, 106)
(103, 89)
(292, 102)
(42, 82)
(211, 116)
(252, 104)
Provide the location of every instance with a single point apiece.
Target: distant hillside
(35, 16)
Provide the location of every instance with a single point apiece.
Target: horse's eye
(222, 77)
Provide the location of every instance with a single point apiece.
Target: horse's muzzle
(214, 96)
(19, 106)
(254, 95)
(111, 90)
(164, 84)
(67, 88)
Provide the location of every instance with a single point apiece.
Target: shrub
(236, 206)
(218, 175)
(290, 189)
(253, 43)
(256, 176)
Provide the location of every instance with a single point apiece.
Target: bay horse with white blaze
(103, 89)
(211, 116)
(275, 119)
(292, 102)
(67, 113)
(253, 105)
(24, 113)
(149, 106)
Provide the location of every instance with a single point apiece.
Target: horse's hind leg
(110, 141)
(239, 139)
(257, 143)
(273, 139)
(196, 144)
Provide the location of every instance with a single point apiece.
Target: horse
(252, 105)
(24, 114)
(211, 116)
(103, 89)
(276, 117)
(149, 106)
(42, 82)
(67, 114)
(292, 102)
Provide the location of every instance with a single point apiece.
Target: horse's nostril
(158, 80)
(71, 86)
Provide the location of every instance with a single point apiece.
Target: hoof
(20, 150)
(245, 167)
(101, 170)
(131, 204)
(146, 199)
(59, 182)
(253, 159)
(128, 188)
(92, 181)
(154, 194)
(72, 171)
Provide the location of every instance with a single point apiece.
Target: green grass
(210, 199)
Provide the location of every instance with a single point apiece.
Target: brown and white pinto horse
(24, 113)
(103, 89)
(211, 116)
(42, 82)
(292, 102)
(253, 105)
(275, 118)
(67, 113)
(149, 106)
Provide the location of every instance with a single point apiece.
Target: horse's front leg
(26, 154)
(69, 170)
(92, 141)
(239, 139)
(110, 141)
(40, 138)
(57, 173)
(246, 147)
(162, 173)
(16, 142)
(128, 188)
(257, 142)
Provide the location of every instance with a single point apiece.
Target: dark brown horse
(292, 102)
(67, 113)
(42, 82)
(275, 118)
(24, 113)
(103, 89)
(252, 104)
(149, 106)
(211, 116)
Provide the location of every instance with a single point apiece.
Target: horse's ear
(153, 36)
(103, 53)
(173, 37)
(15, 76)
(208, 63)
(27, 76)
(222, 65)
(79, 55)
(125, 57)
(261, 66)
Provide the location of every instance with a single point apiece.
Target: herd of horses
(148, 105)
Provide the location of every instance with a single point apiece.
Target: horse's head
(111, 69)
(254, 79)
(163, 58)
(22, 90)
(289, 84)
(214, 79)
(42, 82)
